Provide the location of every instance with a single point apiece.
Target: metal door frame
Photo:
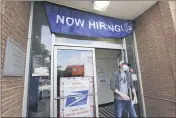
(54, 86)
(55, 46)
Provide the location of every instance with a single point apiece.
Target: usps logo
(77, 98)
(128, 26)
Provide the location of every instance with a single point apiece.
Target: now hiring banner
(75, 22)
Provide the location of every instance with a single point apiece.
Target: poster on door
(78, 102)
(87, 59)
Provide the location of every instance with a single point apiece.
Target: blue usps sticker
(77, 98)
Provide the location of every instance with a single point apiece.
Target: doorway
(81, 79)
(106, 64)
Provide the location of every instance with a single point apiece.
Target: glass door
(75, 85)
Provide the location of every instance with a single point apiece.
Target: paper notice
(101, 74)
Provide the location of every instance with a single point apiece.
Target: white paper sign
(88, 63)
(101, 75)
(78, 102)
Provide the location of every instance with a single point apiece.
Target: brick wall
(15, 19)
(156, 41)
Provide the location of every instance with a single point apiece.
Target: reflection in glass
(108, 42)
(82, 40)
(75, 63)
(132, 64)
(39, 84)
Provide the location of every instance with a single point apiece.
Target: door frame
(54, 86)
(56, 45)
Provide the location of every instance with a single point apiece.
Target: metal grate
(107, 111)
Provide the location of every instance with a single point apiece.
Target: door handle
(64, 97)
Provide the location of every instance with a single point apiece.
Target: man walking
(120, 84)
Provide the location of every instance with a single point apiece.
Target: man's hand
(124, 97)
(135, 100)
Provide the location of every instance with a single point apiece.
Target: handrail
(64, 97)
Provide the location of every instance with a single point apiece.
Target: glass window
(74, 39)
(39, 84)
(132, 62)
(75, 80)
(130, 51)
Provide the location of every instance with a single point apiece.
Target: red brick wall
(156, 41)
(15, 20)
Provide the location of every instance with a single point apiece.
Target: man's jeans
(124, 105)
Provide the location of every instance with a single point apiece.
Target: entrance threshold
(107, 110)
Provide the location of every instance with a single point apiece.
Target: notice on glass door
(101, 75)
(78, 101)
(87, 59)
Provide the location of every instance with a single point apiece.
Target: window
(39, 89)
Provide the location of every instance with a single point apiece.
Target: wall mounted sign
(14, 61)
(75, 22)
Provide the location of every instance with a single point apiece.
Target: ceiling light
(101, 5)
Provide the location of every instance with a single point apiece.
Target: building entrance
(81, 81)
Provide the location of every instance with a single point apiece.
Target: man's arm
(133, 89)
(123, 96)
(113, 82)
(134, 92)
(135, 96)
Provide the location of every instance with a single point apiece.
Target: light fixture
(101, 5)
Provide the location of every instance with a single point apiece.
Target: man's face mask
(125, 68)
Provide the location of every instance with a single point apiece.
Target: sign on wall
(14, 60)
(78, 102)
(75, 22)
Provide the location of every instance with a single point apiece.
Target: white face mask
(125, 68)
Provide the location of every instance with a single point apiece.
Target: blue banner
(75, 22)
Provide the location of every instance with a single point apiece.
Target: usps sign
(78, 102)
